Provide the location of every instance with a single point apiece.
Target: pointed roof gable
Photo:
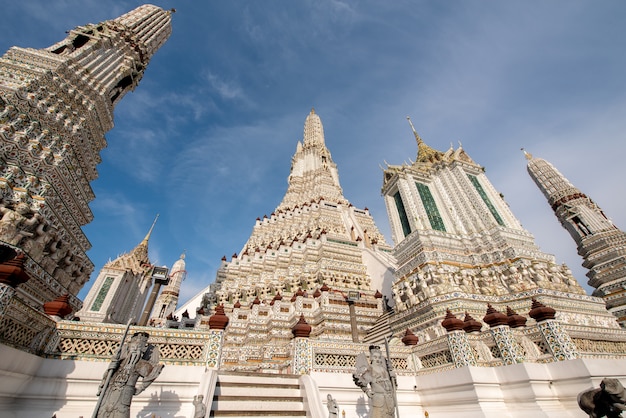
(137, 260)
(426, 159)
(425, 154)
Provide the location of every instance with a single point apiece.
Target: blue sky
(206, 139)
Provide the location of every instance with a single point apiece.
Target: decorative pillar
(353, 324)
(303, 353)
(214, 343)
(6, 295)
(296, 299)
(48, 339)
(276, 298)
(470, 325)
(12, 274)
(53, 341)
(555, 337)
(411, 340)
(460, 349)
(324, 300)
(59, 307)
(380, 301)
(217, 326)
(514, 319)
(499, 326)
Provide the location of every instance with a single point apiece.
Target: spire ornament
(147, 237)
(415, 134)
(528, 155)
(140, 253)
(425, 154)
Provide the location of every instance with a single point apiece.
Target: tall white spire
(314, 175)
(601, 244)
(313, 130)
(168, 299)
(66, 95)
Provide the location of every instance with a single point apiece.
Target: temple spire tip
(417, 137)
(145, 240)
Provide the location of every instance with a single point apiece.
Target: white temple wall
(31, 386)
(381, 275)
(525, 390)
(353, 400)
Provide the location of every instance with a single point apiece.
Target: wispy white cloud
(173, 106)
(120, 212)
(226, 89)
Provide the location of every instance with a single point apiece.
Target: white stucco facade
(32, 386)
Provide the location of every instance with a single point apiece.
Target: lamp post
(160, 276)
(352, 298)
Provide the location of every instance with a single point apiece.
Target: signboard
(354, 295)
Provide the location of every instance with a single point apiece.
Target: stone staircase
(257, 395)
(380, 330)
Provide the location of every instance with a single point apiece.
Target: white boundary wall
(31, 386)
(525, 390)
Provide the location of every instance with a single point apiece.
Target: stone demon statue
(376, 379)
(333, 408)
(609, 400)
(135, 359)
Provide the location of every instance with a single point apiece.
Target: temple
(56, 104)
(473, 319)
(315, 255)
(458, 244)
(120, 290)
(600, 243)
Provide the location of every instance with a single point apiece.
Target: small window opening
(60, 49)
(80, 41)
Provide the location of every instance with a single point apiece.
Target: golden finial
(145, 240)
(312, 110)
(424, 152)
(527, 155)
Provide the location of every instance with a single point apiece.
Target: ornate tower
(168, 299)
(120, 290)
(459, 245)
(314, 236)
(56, 104)
(315, 255)
(601, 244)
